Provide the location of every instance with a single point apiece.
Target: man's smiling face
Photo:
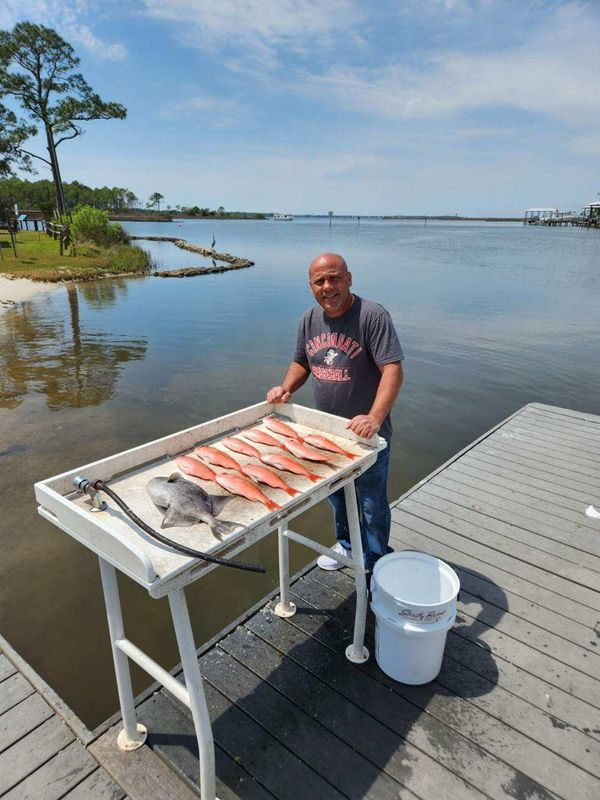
(330, 284)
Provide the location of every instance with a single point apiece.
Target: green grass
(39, 259)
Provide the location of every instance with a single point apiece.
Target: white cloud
(555, 74)
(257, 28)
(214, 110)
(68, 19)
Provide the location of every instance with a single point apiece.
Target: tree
(37, 69)
(12, 135)
(154, 200)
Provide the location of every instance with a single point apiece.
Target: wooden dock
(42, 757)
(514, 712)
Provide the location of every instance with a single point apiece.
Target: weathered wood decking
(515, 711)
(41, 758)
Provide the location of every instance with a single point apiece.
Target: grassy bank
(39, 259)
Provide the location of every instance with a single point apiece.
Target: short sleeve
(300, 356)
(383, 342)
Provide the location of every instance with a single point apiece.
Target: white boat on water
(282, 217)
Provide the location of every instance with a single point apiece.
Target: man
(350, 347)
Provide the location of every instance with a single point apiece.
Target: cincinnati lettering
(331, 375)
(344, 343)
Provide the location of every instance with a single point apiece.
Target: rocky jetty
(233, 262)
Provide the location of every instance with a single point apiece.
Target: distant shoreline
(267, 217)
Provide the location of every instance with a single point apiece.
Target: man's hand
(365, 425)
(278, 394)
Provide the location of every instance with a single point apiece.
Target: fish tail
(271, 505)
(221, 528)
(314, 478)
(349, 455)
(291, 491)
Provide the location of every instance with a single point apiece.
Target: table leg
(357, 652)
(285, 607)
(133, 734)
(193, 682)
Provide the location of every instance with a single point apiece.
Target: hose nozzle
(85, 486)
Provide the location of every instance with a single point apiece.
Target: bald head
(328, 260)
(330, 283)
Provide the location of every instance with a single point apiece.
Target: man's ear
(350, 279)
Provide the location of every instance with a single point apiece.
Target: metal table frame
(191, 692)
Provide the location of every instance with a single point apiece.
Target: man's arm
(295, 377)
(366, 425)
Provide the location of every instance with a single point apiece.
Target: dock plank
(519, 545)
(22, 719)
(13, 690)
(171, 734)
(527, 758)
(97, 786)
(557, 536)
(543, 728)
(29, 753)
(583, 531)
(559, 594)
(558, 674)
(57, 776)
(304, 736)
(6, 668)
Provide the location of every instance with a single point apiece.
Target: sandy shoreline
(18, 290)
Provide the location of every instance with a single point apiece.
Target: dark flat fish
(185, 503)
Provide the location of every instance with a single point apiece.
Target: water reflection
(72, 366)
(100, 294)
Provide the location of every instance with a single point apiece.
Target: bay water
(491, 316)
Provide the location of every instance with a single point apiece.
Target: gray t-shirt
(344, 354)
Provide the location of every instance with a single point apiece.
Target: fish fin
(173, 477)
(314, 478)
(223, 528)
(219, 502)
(349, 455)
(291, 491)
(271, 505)
(174, 518)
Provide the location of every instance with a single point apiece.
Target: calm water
(491, 317)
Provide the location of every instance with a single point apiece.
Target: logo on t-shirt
(330, 357)
(335, 344)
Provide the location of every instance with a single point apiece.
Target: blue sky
(424, 106)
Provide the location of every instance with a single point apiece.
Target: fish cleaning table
(122, 545)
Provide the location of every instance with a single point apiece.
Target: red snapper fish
(300, 451)
(321, 443)
(191, 466)
(238, 446)
(236, 484)
(217, 457)
(263, 475)
(286, 464)
(277, 426)
(261, 437)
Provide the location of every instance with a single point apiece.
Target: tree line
(41, 195)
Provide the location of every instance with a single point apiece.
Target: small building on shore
(539, 216)
(591, 212)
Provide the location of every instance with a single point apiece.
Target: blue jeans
(373, 511)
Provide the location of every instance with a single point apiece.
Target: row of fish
(185, 503)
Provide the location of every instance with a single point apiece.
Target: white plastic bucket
(407, 652)
(414, 587)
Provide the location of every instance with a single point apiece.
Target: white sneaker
(326, 562)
